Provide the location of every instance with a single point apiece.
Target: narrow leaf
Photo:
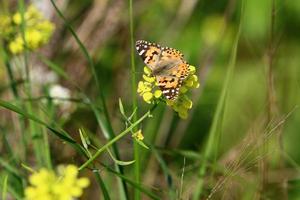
(119, 162)
(134, 184)
(27, 168)
(142, 144)
(4, 187)
(121, 107)
(83, 140)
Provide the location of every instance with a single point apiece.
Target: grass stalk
(218, 117)
(137, 167)
(13, 87)
(33, 129)
(271, 103)
(4, 187)
(134, 184)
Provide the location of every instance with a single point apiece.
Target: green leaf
(119, 162)
(27, 168)
(4, 187)
(9, 167)
(142, 144)
(133, 113)
(121, 107)
(16, 109)
(84, 138)
(134, 184)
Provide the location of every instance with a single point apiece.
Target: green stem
(137, 193)
(35, 135)
(112, 141)
(17, 98)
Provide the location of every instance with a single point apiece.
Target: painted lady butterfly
(166, 64)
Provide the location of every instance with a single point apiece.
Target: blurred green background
(255, 150)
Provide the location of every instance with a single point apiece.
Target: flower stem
(112, 141)
(137, 194)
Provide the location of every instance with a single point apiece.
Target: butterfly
(167, 66)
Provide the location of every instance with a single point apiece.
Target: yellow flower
(17, 18)
(47, 185)
(144, 87)
(33, 38)
(138, 135)
(5, 26)
(33, 13)
(16, 46)
(147, 96)
(46, 28)
(151, 94)
(157, 93)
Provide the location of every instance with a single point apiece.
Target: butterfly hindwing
(169, 86)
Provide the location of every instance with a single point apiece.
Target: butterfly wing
(172, 61)
(170, 80)
(149, 52)
(169, 85)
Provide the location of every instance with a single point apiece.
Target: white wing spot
(142, 52)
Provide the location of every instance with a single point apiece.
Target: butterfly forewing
(149, 52)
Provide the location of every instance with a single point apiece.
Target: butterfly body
(167, 66)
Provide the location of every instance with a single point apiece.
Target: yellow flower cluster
(47, 185)
(151, 94)
(147, 89)
(37, 31)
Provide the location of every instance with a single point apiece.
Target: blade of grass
(13, 87)
(167, 174)
(9, 148)
(9, 167)
(36, 136)
(10, 74)
(133, 183)
(102, 118)
(102, 186)
(137, 167)
(4, 187)
(217, 119)
(11, 190)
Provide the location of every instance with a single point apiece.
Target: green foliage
(234, 135)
